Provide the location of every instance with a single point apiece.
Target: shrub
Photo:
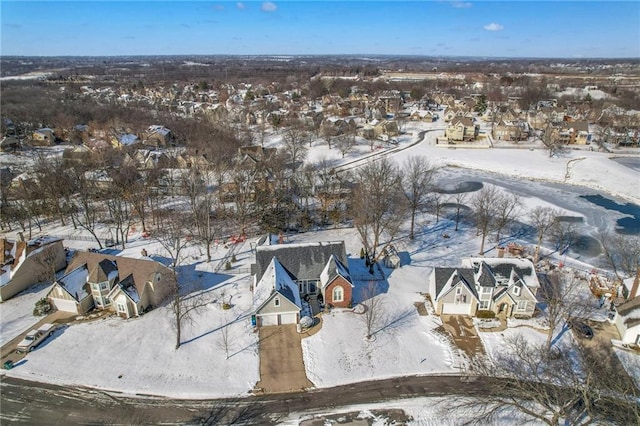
(485, 314)
(227, 265)
(43, 307)
(226, 306)
(233, 258)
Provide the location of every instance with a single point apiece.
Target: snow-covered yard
(139, 355)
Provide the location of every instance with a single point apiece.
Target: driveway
(464, 334)
(8, 350)
(281, 364)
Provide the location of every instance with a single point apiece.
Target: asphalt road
(43, 404)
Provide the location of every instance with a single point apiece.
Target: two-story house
(123, 285)
(503, 286)
(284, 274)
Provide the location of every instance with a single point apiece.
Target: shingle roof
(102, 271)
(276, 278)
(333, 269)
(443, 275)
(303, 261)
(141, 269)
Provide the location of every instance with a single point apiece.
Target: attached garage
(278, 319)
(456, 309)
(66, 305)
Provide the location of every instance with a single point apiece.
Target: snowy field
(139, 355)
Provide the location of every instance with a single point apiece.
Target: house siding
(285, 306)
(32, 270)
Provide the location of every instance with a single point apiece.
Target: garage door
(455, 308)
(288, 318)
(66, 305)
(268, 320)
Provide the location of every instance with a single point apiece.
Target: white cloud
(268, 6)
(493, 27)
(240, 5)
(461, 4)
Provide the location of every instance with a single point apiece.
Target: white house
(503, 286)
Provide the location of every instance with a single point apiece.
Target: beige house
(25, 263)
(123, 285)
(574, 133)
(461, 129)
(43, 137)
(503, 286)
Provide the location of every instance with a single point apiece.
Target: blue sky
(568, 29)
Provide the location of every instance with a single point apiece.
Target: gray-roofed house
(276, 297)
(123, 285)
(311, 267)
(503, 286)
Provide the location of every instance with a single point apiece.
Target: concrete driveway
(281, 364)
(464, 334)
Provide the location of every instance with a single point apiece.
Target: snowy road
(38, 403)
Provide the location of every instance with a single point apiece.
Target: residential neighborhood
(252, 237)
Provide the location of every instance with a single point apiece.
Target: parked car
(35, 337)
(581, 328)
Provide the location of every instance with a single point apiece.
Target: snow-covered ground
(16, 315)
(138, 355)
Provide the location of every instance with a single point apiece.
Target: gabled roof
(142, 270)
(457, 276)
(276, 279)
(303, 261)
(502, 268)
(128, 288)
(334, 269)
(484, 276)
(105, 270)
(75, 283)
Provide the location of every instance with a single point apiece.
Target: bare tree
(527, 382)
(564, 298)
(484, 206)
(174, 238)
(378, 204)
(417, 182)
(294, 139)
(226, 340)
(459, 199)
(550, 140)
(622, 253)
(372, 307)
(507, 208)
(345, 142)
(542, 219)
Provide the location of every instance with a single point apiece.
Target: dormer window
(516, 290)
(276, 301)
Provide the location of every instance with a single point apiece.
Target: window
(486, 290)
(459, 290)
(484, 304)
(98, 301)
(338, 294)
(516, 290)
(522, 305)
(276, 301)
(122, 307)
(312, 288)
(103, 286)
(95, 286)
(107, 301)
